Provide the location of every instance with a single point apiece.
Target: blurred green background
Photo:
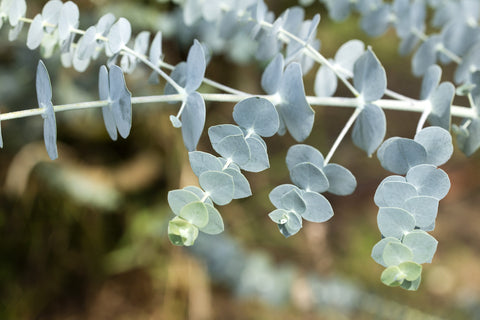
(84, 236)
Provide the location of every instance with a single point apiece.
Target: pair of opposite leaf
(243, 144)
(189, 75)
(369, 80)
(112, 88)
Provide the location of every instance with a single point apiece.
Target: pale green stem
(26, 20)
(205, 197)
(162, 63)
(472, 102)
(423, 119)
(182, 107)
(229, 161)
(398, 96)
(342, 134)
(210, 82)
(58, 108)
(387, 104)
(142, 58)
(317, 56)
(467, 123)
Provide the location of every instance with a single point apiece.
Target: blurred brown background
(84, 237)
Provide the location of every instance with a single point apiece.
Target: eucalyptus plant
(408, 201)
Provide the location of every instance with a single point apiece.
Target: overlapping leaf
(258, 155)
(395, 222)
(196, 213)
(67, 20)
(118, 114)
(309, 177)
(202, 161)
(395, 253)
(218, 185)
(257, 115)
(195, 210)
(241, 184)
(119, 35)
(104, 94)
(437, 143)
(179, 198)
(424, 209)
(422, 245)
(377, 251)
(394, 194)
(288, 222)
(432, 145)
(429, 181)
(87, 43)
(230, 143)
(215, 222)
(14, 9)
(398, 155)
(199, 193)
(44, 98)
(121, 100)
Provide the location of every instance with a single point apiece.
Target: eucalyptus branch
(407, 201)
(416, 106)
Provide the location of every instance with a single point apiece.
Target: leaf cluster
(303, 199)
(408, 205)
(240, 147)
